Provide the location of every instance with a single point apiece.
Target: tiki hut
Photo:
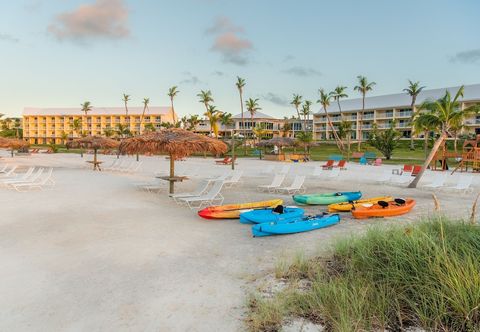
(13, 144)
(279, 141)
(175, 142)
(95, 143)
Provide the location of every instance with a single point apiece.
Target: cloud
(468, 57)
(288, 58)
(276, 99)
(218, 73)
(228, 43)
(190, 79)
(8, 38)
(302, 71)
(103, 19)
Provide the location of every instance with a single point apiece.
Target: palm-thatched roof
(13, 143)
(279, 141)
(93, 142)
(174, 141)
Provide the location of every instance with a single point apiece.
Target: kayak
(298, 225)
(347, 206)
(384, 209)
(232, 211)
(326, 199)
(270, 215)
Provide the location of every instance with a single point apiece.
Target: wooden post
(233, 151)
(94, 159)
(172, 173)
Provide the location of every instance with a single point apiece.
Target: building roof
(257, 115)
(153, 110)
(471, 93)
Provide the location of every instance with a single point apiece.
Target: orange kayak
(383, 209)
(232, 211)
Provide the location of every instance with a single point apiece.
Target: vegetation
(384, 141)
(325, 102)
(363, 87)
(240, 84)
(172, 93)
(146, 101)
(423, 275)
(252, 108)
(413, 90)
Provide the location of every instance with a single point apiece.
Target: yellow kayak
(347, 206)
(232, 211)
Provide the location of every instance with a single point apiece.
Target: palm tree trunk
(172, 174)
(429, 159)
(348, 147)
(412, 145)
(359, 138)
(243, 124)
(335, 135)
(455, 140)
(425, 143)
(173, 111)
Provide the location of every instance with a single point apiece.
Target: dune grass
(425, 275)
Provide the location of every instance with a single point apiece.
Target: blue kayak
(298, 225)
(268, 215)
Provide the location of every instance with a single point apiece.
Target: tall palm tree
(205, 98)
(305, 112)
(337, 94)
(363, 87)
(64, 137)
(213, 116)
(413, 90)
(145, 102)
(123, 131)
(108, 132)
(86, 107)
(252, 108)
(77, 128)
(296, 102)
(126, 99)
(226, 119)
(442, 114)
(172, 93)
(421, 124)
(193, 122)
(325, 102)
(240, 85)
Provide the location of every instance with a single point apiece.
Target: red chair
(416, 170)
(224, 161)
(407, 168)
(341, 164)
(328, 165)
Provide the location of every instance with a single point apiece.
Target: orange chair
(224, 161)
(328, 165)
(341, 164)
(407, 168)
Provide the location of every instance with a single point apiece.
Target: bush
(426, 275)
(384, 141)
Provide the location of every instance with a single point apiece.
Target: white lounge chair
(276, 183)
(317, 171)
(285, 169)
(4, 168)
(10, 173)
(212, 196)
(295, 187)
(134, 167)
(28, 176)
(119, 166)
(463, 184)
(438, 181)
(404, 178)
(201, 188)
(385, 177)
(113, 164)
(39, 183)
(234, 179)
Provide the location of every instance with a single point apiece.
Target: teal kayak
(304, 224)
(269, 215)
(329, 198)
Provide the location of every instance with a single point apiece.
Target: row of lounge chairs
(276, 186)
(33, 179)
(123, 166)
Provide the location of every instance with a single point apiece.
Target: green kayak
(326, 199)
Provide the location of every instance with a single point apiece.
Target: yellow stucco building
(54, 125)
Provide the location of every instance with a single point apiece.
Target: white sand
(96, 254)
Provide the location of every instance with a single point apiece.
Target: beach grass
(424, 275)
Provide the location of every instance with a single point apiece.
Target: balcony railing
(404, 114)
(368, 116)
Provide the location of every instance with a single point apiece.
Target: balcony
(404, 114)
(403, 125)
(368, 116)
(369, 126)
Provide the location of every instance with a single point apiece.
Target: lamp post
(233, 149)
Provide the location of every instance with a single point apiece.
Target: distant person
(275, 149)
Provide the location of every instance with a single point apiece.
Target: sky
(60, 53)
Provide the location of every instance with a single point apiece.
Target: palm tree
(205, 98)
(337, 94)
(123, 131)
(108, 132)
(126, 99)
(77, 127)
(421, 124)
(296, 102)
(172, 93)
(149, 127)
(240, 85)
(86, 107)
(193, 122)
(413, 90)
(226, 119)
(345, 131)
(306, 113)
(363, 87)
(252, 108)
(259, 131)
(146, 101)
(442, 114)
(64, 137)
(325, 102)
(213, 116)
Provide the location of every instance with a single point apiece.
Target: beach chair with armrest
(224, 161)
(438, 181)
(463, 184)
(234, 179)
(295, 187)
(212, 196)
(276, 183)
(10, 173)
(20, 178)
(416, 169)
(341, 165)
(39, 183)
(199, 190)
(328, 164)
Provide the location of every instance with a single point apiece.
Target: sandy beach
(95, 253)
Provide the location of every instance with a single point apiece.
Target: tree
(296, 102)
(306, 113)
(240, 85)
(442, 114)
(337, 94)
(413, 90)
(123, 131)
(305, 137)
(146, 101)
(325, 102)
(286, 129)
(384, 141)
(213, 116)
(226, 119)
(64, 137)
(205, 98)
(86, 107)
(363, 87)
(77, 126)
(252, 108)
(172, 93)
(421, 124)
(108, 132)
(149, 127)
(345, 132)
(260, 131)
(193, 122)
(126, 99)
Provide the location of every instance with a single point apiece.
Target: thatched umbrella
(13, 143)
(95, 143)
(278, 141)
(175, 142)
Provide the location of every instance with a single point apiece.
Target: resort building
(384, 110)
(55, 125)
(273, 127)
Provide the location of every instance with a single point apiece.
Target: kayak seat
(338, 194)
(400, 201)
(279, 209)
(383, 204)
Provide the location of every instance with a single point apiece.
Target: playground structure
(468, 159)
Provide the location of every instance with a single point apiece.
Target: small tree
(384, 141)
(306, 138)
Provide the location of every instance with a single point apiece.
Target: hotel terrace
(383, 110)
(274, 127)
(50, 125)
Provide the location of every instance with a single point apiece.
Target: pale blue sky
(56, 53)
